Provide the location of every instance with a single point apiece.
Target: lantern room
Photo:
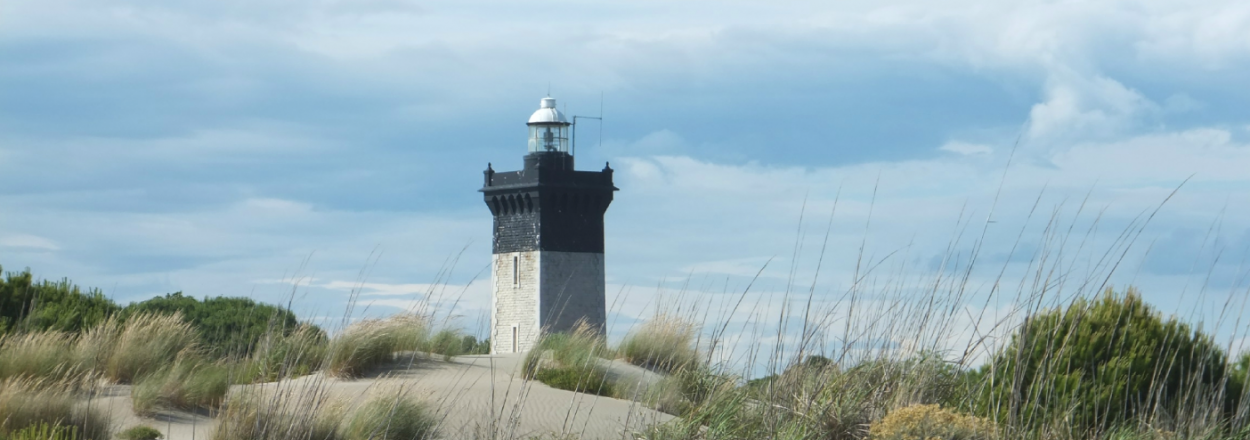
(549, 131)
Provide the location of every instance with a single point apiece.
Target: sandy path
(472, 394)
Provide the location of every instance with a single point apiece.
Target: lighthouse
(547, 267)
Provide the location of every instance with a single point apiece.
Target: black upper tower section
(548, 206)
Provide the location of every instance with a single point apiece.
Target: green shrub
(470, 345)
(929, 422)
(367, 344)
(663, 343)
(34, 306)
(140, 432)
(26, 403)
(447, 343)
(1102, 364)
(582, 380)
(224, 326)
(390, 416)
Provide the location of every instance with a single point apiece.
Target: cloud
(24, 241)
(154, 146)
(965, 148)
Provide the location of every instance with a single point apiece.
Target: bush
(390, 417)
(34, 306)
(140, 432)
(447, 343)
(224, 326)
(664, 343)
(369, 343)
(188, 384)
(26, 403)
(470, 345)
(929, 422)
(1102, 364)
(144, 344)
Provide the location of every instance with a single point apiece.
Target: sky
(302, 151)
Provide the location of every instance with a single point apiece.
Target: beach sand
(472, 395)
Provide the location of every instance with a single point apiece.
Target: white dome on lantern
(547, 113)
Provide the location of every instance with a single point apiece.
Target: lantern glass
(549, 137)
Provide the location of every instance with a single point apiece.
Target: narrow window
(516, 277)
(516, 344)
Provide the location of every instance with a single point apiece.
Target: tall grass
(890, 342)
(190, 383)
(44, 354)
(26, 403)
(664, 343)
(306, 413)
(279, 356)
(391, 416)
(367, 344)
(570, 361)
(145, 344)
(280, 416)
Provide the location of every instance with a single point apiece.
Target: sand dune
(472, 395)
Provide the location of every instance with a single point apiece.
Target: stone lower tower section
(547, 269)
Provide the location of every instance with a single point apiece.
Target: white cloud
(26, 241)
(966, 148)
(1085, 107)
(290, 96)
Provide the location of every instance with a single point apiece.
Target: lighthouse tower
(547, 268)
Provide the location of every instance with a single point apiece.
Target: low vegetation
(252, 416)
(664, 343)
(182, 353)
(373, 342)
(31, 407)
(390, 416)
(571, 361)
(145, 343)
(305, 415)
(190, 383)
(140, 432)
(930, 422)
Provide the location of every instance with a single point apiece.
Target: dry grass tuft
(46, 354)
(254, 416)
(663, 343)
(144, 344)
(370, 343)
(390, 416)
(26, 403)
(190, 383)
